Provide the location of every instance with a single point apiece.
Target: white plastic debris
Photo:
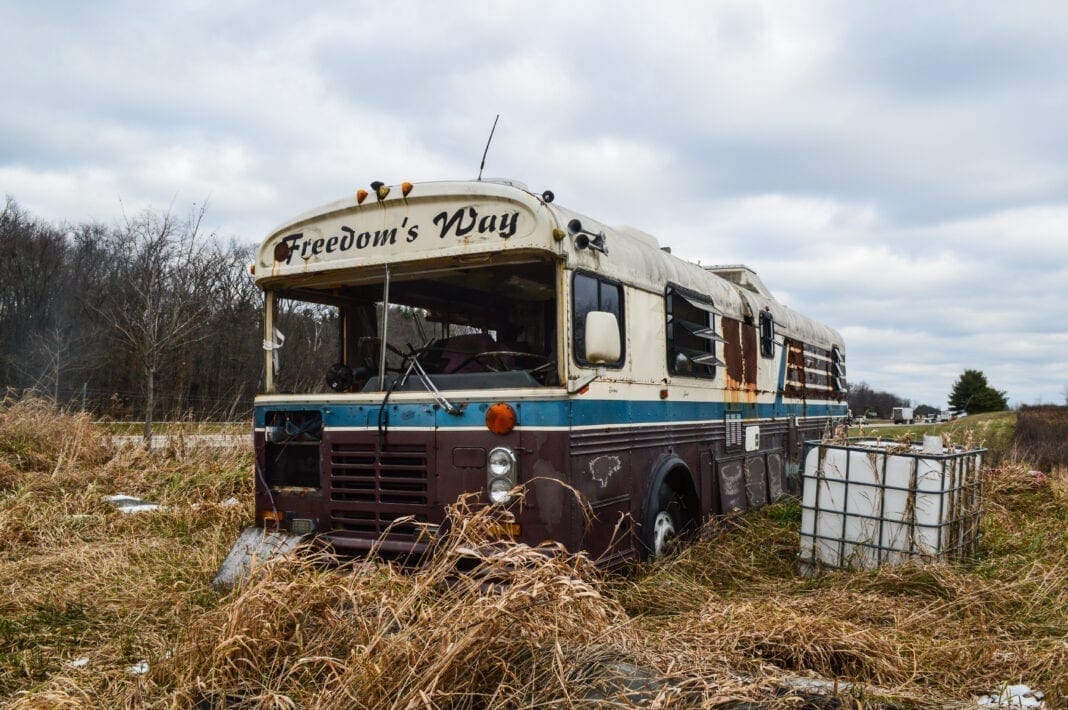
(272, 346)
(139, 668)
(143, 508)
(1013, 696)
(130, 504)
(79, 662)
(816, 685)
(121, 499)
(230, 502)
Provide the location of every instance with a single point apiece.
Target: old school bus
(489, 340)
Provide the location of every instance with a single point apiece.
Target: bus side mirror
(602, 337)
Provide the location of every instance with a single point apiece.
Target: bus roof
(462, 221)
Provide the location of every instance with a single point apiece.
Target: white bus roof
(463, 222)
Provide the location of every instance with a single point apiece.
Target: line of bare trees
(863, 400)
(148, 317)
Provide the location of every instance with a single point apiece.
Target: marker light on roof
(406, 187)
(361, 195)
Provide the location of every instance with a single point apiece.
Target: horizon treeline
(116, 315)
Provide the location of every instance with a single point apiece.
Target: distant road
(887, 425)
(161, 441)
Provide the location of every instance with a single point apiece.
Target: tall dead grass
(1042, 435)
(34, 436)
(727, 620)
(513, 628)
(929, 634)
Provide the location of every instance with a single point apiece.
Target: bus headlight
(502, 472)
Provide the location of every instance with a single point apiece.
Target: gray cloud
(896, 171)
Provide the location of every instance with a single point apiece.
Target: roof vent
(741, 275)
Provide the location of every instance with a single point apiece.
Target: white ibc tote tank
(867, 503)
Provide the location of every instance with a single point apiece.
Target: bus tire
(670, 513)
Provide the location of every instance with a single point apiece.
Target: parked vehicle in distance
(902, 415)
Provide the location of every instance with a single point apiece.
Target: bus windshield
(478, 327)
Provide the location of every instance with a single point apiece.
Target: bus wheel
(664, 521)
(663, 533)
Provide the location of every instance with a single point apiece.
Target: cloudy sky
(896, 170)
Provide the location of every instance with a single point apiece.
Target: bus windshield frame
(490, 325)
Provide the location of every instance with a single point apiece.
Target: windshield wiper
(415, 366)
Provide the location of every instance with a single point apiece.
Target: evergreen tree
(972, 394)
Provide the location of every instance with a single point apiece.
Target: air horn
(585, 239)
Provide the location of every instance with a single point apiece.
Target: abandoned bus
(425, 341)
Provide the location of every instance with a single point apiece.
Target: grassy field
(87, 593)
(993, 430)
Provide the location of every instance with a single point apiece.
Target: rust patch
(281, 251)
(732, 391)
(732, 351)
(809, 372)
(740, 354)
(795, 370)
(749, 356)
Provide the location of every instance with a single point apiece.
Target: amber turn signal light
(500, 418)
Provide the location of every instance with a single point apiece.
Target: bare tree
(180, 315)
(164, 275)
(56, 350)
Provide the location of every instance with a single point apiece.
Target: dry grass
(1042, 435)
(725, 621)
(943, 632)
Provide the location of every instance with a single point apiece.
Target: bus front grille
(373, 487)
(374, 524)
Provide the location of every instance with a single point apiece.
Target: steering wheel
(340, 377)
(494, 360)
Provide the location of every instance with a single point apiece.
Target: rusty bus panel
(776, 475)
(749, 357)
(732, 485)
(732, 350)
(756, 481)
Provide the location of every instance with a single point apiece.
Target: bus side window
(767, 334)
(593, 294)
(691, 335)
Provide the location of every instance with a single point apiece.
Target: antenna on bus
(480, 167)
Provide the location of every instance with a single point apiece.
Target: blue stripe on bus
(551, 413)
